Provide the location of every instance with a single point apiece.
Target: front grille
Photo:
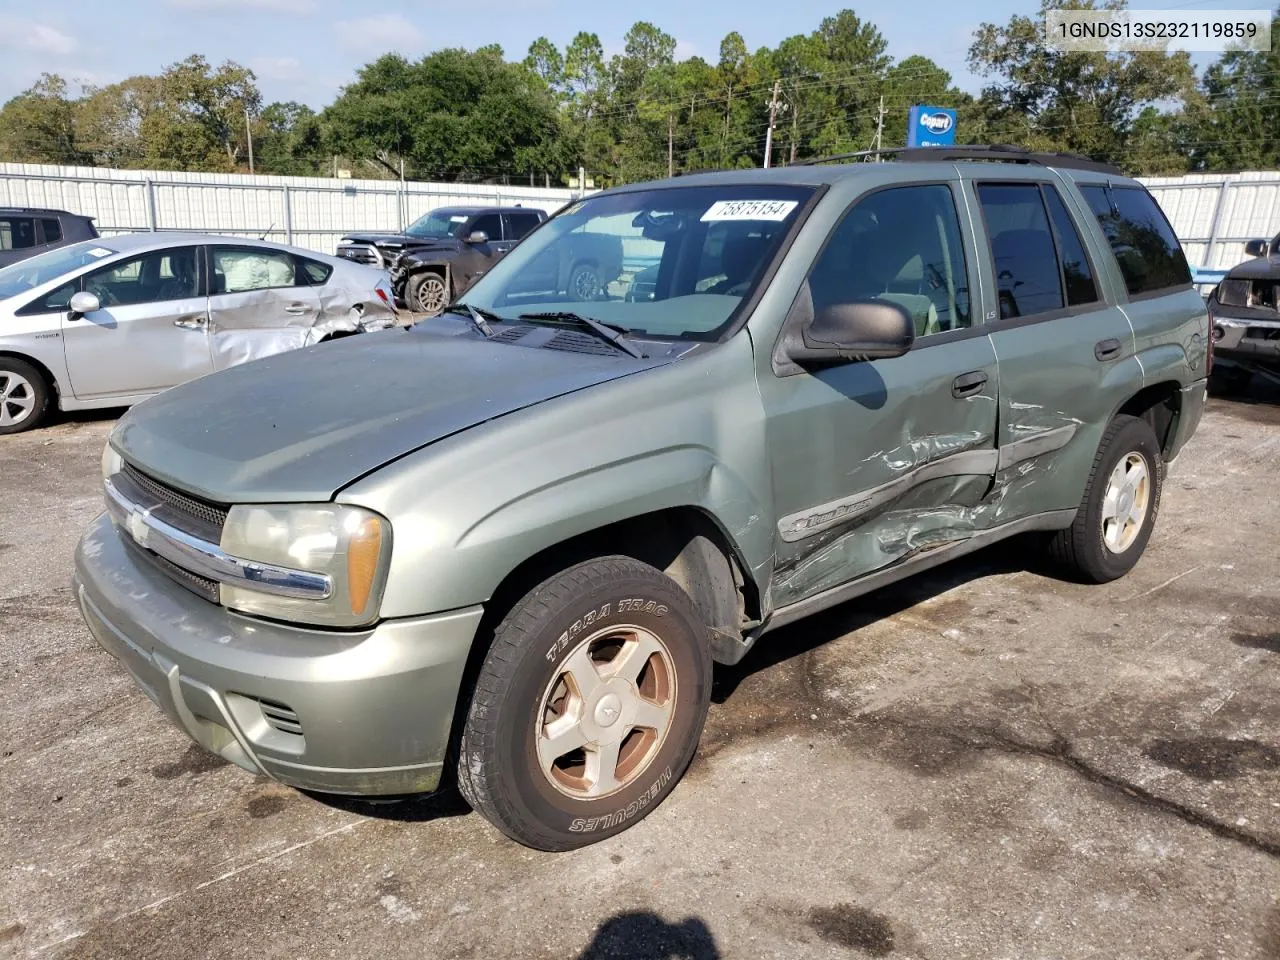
(1263, 333)
(204, 513)
(282, 718)
(361, 254)
(200, 586)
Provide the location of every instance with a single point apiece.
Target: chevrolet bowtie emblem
(138, 526)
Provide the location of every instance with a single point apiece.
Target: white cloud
(33, 37)
(218, 6)
(378, 34)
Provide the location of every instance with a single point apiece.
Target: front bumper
(1247, 339)
(364, 713)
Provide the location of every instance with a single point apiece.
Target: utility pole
(773, 114)
(249, 132)
(879, 128)
(671, 135)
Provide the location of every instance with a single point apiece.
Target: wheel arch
(44, 370)
(1160, 404)
(687, 543)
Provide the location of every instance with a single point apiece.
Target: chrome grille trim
(204, 513)
(206, 559)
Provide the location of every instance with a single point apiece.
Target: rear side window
(1028, 275)
(1145, 247)
(315, 272)
(1077, 275)
(520, 224)
(52, 230)
(17, 233)
(240, 269)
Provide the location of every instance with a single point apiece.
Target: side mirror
(857, 330)
(477, 236)
(82, 303)
(1256, 248)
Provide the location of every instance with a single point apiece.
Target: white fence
(1215, 214)
(311, 212)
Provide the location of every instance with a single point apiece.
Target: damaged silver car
(112, 321)
(1246, 319)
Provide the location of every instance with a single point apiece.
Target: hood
(299, 426)
(400, 240)
(1260, 268)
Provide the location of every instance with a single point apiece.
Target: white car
(111, 321)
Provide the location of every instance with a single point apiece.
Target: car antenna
(268, 230)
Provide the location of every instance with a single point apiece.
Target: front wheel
(426, 293)
(589, 706)
(24, 396)
(1119, 507)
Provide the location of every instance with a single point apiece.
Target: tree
(1233, 127)
(37, 126)
(1081, 102)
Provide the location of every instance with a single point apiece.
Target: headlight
(112, 463)
(349, 545)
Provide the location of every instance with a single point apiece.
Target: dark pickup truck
(460, 242)
(24, 231)
(1245, 308)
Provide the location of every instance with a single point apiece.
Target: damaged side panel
(257, 323)
(875, 461)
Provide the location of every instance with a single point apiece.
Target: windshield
(669, 262)
(437, 224)
(33, 272)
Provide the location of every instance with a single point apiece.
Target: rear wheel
(584, 282)
(588, 707)
(24, 396)
(426, 293)
(1119, 507)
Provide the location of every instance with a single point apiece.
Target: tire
(584, 282)
(1098, 549)
(24, 396)
(426, 292)
(598, 615)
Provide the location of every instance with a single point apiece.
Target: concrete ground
(984, 763)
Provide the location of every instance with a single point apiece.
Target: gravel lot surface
(985, 762)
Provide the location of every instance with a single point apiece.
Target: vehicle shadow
(446, 802)
(641, 935)
(1009, 556)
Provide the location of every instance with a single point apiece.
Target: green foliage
(641, 113)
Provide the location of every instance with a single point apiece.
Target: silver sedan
(112, 321)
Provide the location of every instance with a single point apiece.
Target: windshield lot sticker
(457, 219)
(99, 252)
(750, 210)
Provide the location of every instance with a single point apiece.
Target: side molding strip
(806, 523)
(1056, 520)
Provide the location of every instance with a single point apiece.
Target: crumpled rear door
(260, 304)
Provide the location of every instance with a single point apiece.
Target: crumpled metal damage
(259, 323)
(940, 496)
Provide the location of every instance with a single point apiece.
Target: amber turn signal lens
(363, 550)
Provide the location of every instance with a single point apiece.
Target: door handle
(296, 309)
(967, 384)
(1106, 349)
(194, 322)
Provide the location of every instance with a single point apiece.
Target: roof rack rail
(998, 152)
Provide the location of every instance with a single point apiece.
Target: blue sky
(306, 50)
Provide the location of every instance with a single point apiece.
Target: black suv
(26, 231)
(466, 239)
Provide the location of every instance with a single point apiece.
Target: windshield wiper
(607, 331)
(478, 316)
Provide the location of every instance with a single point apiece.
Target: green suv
(512, 540)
